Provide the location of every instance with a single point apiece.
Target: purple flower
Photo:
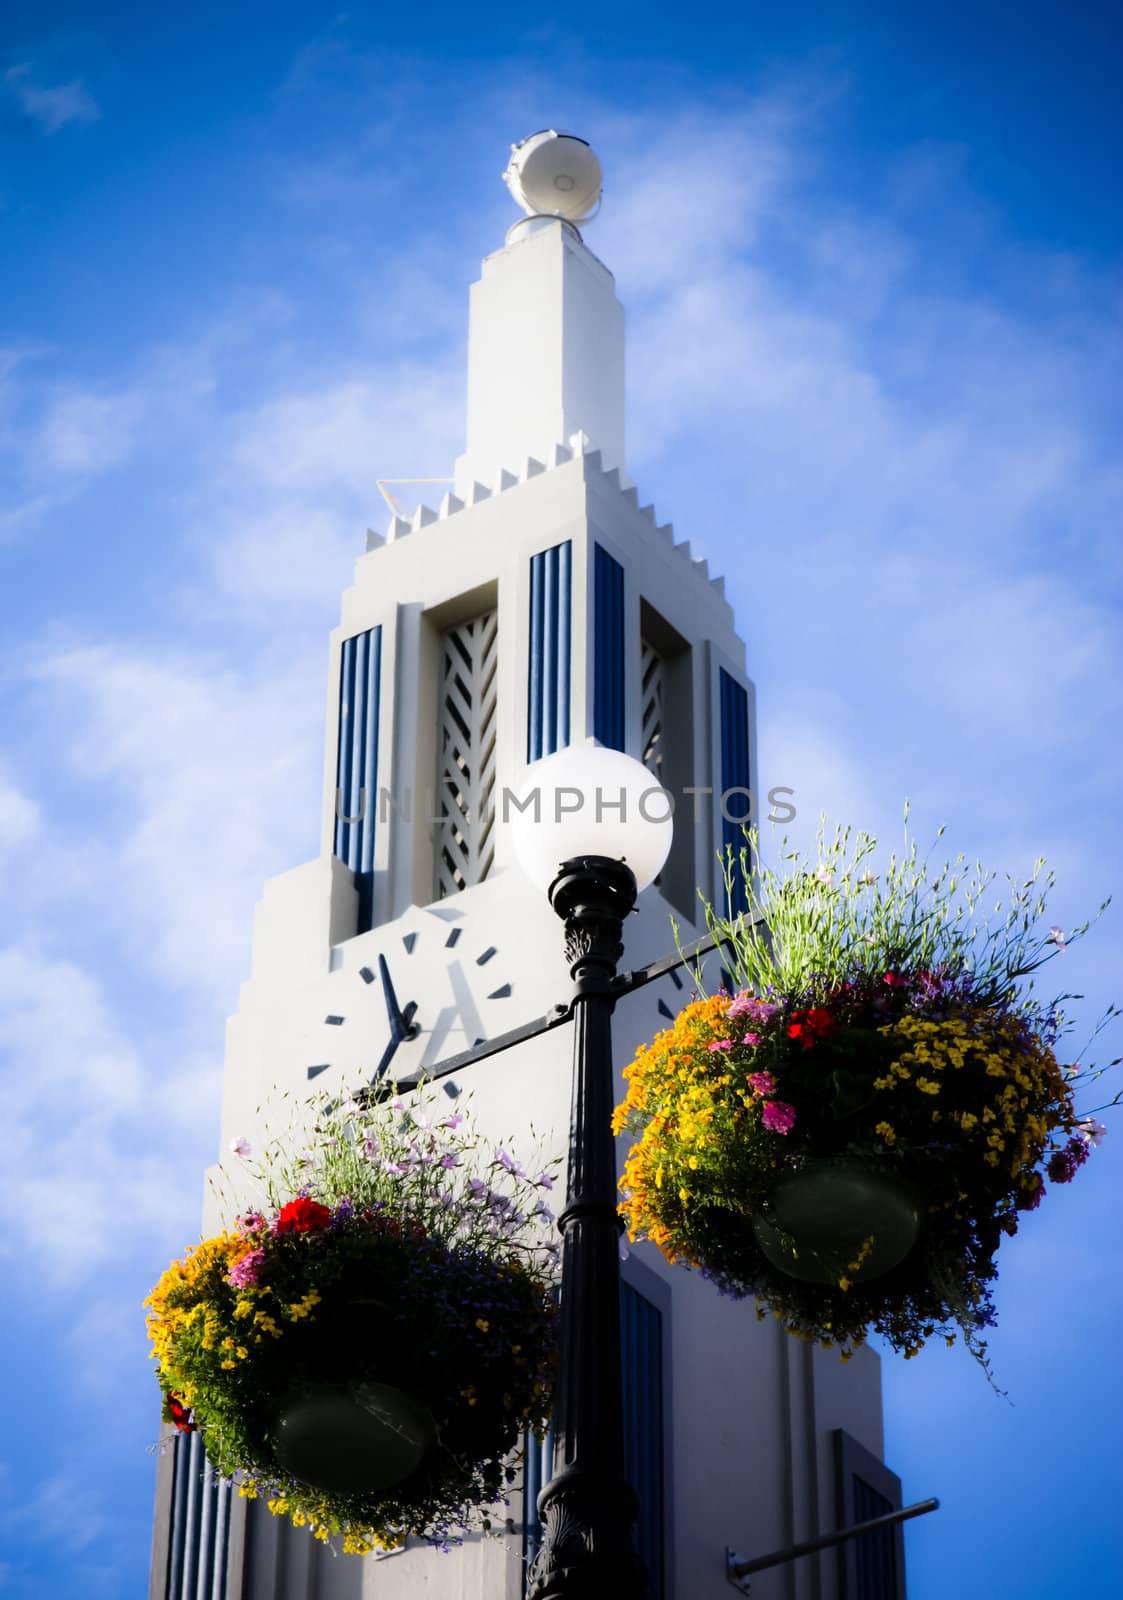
(544, 1181)
(740, 1005)
(777, 1116)
(509, 1163)
(476, 1188)
(454, 1121)
(762, 1083)
(396, 1168)
(243, 1274)
(450, 1160)
(1064, 1164)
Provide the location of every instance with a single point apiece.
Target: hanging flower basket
(849, 1136)
(366, 1353)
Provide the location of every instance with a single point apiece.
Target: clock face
(430, 988)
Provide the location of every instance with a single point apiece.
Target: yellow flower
(886, 1132)
(482, 1324)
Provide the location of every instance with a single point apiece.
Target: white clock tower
(540, 606)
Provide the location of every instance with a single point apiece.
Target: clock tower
(538, 606)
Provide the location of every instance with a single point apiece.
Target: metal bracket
(737, 1570)
(732, 1562)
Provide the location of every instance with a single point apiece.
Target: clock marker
(452, 938)
(487, 955)
(335, 1022)
(409, 940)
(366, 974)
(314, 1072)
(501, 994)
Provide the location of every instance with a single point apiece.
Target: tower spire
(546, 331)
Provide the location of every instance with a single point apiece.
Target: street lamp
(592, 830)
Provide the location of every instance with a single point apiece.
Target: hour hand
(402, 1025)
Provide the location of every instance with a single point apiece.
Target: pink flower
(454, 1121)
(240, 1146)
(752, 1038)
(762, 1083)
(722, 1044)
(243, 1274)
(741, 1005)
(251, 1222)
(777, 1116)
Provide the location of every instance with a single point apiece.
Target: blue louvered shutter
(734, 716)
(200, 1525)
(549, 666)
(871, 1567)
(641, 1361)
(608, 650)
(641, 1350)
(356, 795)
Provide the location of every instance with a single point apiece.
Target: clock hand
(402, 1025)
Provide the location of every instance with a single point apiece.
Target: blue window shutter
(871, 1567)
(549, 666)
(608, 650)
(641, 1362)
(356, 796)
(200, 1524)
(734, 709)
(641, 1351)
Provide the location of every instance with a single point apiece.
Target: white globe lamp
(590, 801)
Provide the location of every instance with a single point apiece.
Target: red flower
(809, 1027)
(302, 1216)
(179, 1414)
(895, 982)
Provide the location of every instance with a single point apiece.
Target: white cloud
(87, 431)
(19, 815)
(50, 107)
(214, 776)
(90, 1137)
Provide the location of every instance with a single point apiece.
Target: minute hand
(402, 1025)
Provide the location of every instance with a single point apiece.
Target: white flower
(1058, 937)
(240, 1146)
(868, 877)
(824, 875)
(1091, 1131)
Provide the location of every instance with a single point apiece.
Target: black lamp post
(588, 1507)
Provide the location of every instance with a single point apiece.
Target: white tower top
(546, 331)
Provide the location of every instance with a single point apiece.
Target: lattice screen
(466, 754)
(652, 677)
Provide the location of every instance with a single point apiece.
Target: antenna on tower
(392, 500)
(554, 174)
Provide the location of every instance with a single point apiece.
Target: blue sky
(870, 261)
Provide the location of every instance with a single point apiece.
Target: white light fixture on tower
(591, 801)
(553, 174)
